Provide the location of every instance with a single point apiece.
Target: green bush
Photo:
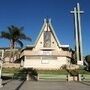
(88, 58)
(73, 72)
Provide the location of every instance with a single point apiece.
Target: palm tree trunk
(10, 57)
(13, 54)
(11, 51)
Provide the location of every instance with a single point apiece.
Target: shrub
(73, 72)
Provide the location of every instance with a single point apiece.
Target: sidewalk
(44, 85)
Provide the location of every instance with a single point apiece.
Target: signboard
(45, 53)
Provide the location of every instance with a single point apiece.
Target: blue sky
(30, 14)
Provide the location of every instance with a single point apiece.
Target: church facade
(47, 52)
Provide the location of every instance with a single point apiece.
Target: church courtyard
(44, 85)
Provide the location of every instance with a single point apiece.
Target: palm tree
(14, 35)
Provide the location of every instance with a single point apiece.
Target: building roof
(53, 32)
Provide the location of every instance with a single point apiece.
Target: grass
(55, 72)
(10, 70)
(20, 73)
(84, 72)
(15, 73)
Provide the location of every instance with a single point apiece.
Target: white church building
(47, 52)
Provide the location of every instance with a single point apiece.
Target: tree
(87, 58)
(15, 35)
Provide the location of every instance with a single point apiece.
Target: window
(32, 57)
(47, 39)
(49, 58)
(40, 42)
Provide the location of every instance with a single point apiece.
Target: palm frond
(24, 37)
(15, 34)
(20, 43)
(5, 35)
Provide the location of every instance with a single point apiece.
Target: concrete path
(45, 85)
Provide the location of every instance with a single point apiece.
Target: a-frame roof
(53, 32)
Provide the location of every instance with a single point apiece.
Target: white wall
(45, 64)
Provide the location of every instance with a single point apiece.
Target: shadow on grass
(7, 79)
(26, 73)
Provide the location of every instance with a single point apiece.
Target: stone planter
(73, 78)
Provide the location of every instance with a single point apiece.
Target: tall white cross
(78, 35)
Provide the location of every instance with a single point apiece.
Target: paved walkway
(44, 85)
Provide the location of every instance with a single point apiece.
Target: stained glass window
(47, 39)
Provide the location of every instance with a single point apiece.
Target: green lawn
(53, 72)
(47, 74)
(57, 72)
(84, 72)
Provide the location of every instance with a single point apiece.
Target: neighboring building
(5, 56)
(47, 52)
